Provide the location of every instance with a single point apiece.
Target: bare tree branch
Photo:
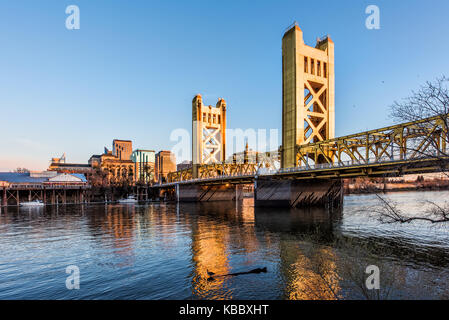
(388, 212)
(428, 109)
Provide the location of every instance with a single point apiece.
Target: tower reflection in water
(221, 234)
(229, 238)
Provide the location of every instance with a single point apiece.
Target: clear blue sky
(133, 68)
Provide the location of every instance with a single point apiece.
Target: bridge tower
(208, 133)
(308, 93)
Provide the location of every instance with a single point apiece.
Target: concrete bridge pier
(166, 194)
(269, 192)
(208, 193)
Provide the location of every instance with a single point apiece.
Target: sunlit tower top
(208, 133)
(308, 92)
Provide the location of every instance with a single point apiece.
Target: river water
(165, 251)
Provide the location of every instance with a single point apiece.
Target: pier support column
(160, 194)
(198, 193)
(298, 193)
(4, 198)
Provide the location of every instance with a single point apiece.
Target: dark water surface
(164, 251)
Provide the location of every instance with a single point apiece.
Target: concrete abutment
(270, 192)
(208, 193)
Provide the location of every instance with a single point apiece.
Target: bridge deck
(329, 171)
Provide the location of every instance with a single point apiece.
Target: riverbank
(365, 185)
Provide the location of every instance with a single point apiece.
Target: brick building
(165, 163)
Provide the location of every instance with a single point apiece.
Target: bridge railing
(352, 163)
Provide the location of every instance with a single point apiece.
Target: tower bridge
(310, 164)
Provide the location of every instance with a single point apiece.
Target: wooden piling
(4, 199)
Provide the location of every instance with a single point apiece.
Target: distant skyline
(133, 67)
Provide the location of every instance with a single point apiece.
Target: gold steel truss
(268, 160)
(426, 138)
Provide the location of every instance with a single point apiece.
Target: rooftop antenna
(323, 38)
(295, 23)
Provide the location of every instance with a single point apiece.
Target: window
(325, 70)
(312, 66)
(306, 65)
(318, 68)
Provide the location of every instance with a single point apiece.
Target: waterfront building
(144, 162)
(27, 180)
(46, 186)
(119, 165)
(70, 168)
(117, 170)
(114, 166)
(95, 161)
(165, 163)
(60, 165)
(122, 149)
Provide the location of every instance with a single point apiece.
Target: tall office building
(165, 163)
(144, 165)
(122, 149)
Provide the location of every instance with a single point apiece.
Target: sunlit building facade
(165, 163)
(144, 161)
(122, 149)
(116, 166)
